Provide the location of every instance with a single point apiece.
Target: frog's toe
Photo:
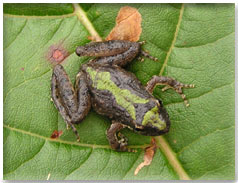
(123, 139)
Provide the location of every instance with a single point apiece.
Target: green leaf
(195, 45)
(35, 9)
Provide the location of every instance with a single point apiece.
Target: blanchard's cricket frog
(112, 91)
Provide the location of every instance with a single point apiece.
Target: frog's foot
(178, 89)
(74, 130)
(141, 59)
(123, 141)
(147, 54)
(118, 145)
(170, 83)
(142, 42)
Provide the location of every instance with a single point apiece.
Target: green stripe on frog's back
(124, 98)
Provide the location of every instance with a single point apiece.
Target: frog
(104, 84)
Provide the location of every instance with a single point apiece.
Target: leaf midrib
(94, 146)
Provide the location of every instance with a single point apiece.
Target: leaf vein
(84, 20)
(205, 93)
(108, 159)
(22, 83)
(208, 43)
(21, 30)
(174, 40)
(203, 136)
(220, 167)
(28, 159)
(56, 159)
(70, 32)
(39, 49)
(58, 140)
(89, 154)
(123, 178)
(172, 158)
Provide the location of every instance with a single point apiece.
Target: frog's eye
(138, 129)
(160, 103)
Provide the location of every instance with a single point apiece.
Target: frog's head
(155, 122)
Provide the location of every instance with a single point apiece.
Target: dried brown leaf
(148, 156)
(128, 25)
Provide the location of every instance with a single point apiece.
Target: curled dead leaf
(128, 25)
(148, 156)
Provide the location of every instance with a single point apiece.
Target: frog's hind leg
(119, 145)
(104, 48)
(170, 83)
(120, 59)
(59, 106)
(83, 98)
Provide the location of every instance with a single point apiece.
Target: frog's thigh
(57, 100)
(171, 83)
(65, 90)
(83, 98)
(104, 49)
(112, 137)
(58, 103)
(122, 58)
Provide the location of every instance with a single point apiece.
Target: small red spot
(57, 54)
(56, 134)
(22, 68)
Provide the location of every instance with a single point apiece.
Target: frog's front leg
(73, 104)
(171, 83)
(112, 136)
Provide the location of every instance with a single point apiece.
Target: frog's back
(117, 93)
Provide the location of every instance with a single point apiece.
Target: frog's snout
(163, 115)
